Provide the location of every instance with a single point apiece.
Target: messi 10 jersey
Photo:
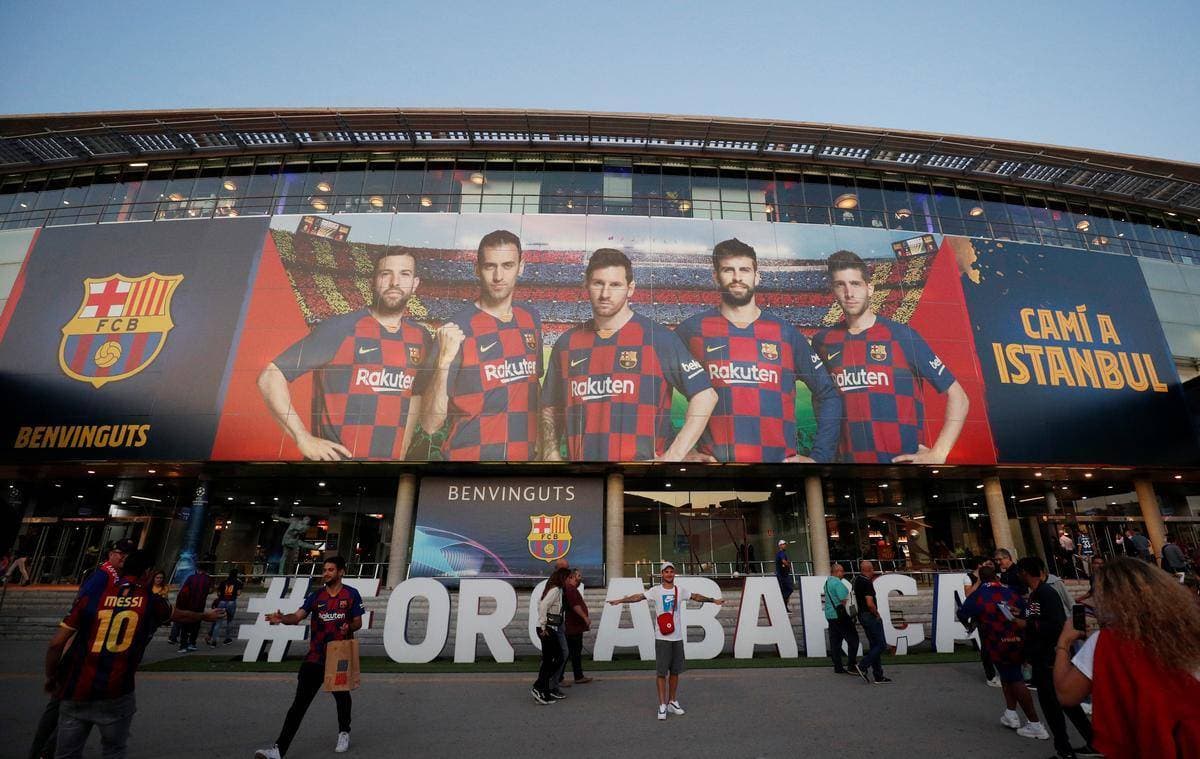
(493, 386)
(881, 372)
(754, 370)
(113, 622)
(364, 378)
(616, 390)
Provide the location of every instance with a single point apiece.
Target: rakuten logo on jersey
(743, 374)
(595, 388)
(383, 380)
(510, 371)
(861, 379)
(331, 616)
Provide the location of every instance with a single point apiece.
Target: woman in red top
(1142, 668)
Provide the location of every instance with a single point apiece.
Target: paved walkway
(931, 710)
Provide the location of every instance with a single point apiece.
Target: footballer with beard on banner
(754, 361)
(611, 379)
(881, 367)
(368, 371)
(489, 360)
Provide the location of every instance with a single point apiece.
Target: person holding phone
(1044, 620)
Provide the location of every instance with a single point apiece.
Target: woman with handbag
(550, 619)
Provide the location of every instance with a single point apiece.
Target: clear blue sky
(1118, 76)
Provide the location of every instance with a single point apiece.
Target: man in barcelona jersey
(754, 361)
(881, 367)
(368, 371)
(92, 659)
(610, 379)
(489, 359)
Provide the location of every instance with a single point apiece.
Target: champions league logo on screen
(119, 329)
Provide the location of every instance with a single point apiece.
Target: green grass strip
(626, 662)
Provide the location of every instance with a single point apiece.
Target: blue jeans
(230, 608)
(873, 627)
(111, 716)
(562, 647)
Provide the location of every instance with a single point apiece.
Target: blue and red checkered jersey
(113, 622)
(364, 378)
(881, 372)
(493, 386)
(328, 613)
(754, 370)
(1001, 637)
(616, 390)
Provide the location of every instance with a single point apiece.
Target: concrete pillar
(1051, 503)
(1156, 531)
(614, 526)
(818, 536)
(1001, 529)
(402, 522)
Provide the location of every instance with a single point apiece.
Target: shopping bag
(341, 665)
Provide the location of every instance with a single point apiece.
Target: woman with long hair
(550, 618)
(1142, 668)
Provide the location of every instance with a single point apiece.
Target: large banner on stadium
(481, 337)
(514, 528)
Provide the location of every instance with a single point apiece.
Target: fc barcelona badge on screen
(770, 351)
(549, 536)
(119, 329)
(878, 352)
(628, 359)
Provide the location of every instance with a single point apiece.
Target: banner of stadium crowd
(479, 337)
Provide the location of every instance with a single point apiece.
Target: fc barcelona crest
(549, 536)
(119, 329)
(414, 355)
(530, 340)
(770, 351)
(878, 352)
(628, 359)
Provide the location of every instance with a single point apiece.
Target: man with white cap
(783, 572)
(668, 599)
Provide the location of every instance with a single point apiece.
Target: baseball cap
(125, 545)
(666, 565)
(783, 542)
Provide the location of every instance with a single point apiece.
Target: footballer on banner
(368, 371)
(609, 383)
(754, 360)
(489, 359)
(881, 367)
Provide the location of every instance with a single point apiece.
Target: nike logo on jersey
(365, 351)
(833, 355)
(711, 348)
(579, 361)
(488, 347)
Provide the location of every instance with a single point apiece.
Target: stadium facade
(220, 337)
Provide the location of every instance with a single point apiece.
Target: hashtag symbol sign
(262, 631)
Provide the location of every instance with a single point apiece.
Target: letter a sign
(119, 329)
(549, 536)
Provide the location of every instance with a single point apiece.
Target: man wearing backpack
(841, 621)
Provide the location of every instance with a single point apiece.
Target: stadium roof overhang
(56, 140)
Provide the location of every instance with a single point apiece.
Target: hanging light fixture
(685, 206)
(477, 178)
(1083, 225)
(319, 204)
(903, 213)
(846, 201)
(229, 185)
(426, 202)
(324, 186)
(175, 197)
(976, 211)
(376, 201)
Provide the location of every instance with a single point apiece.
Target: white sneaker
(343, 744)
(1010, 719)
(1034, 730)
(268, 753)
(994, 682)
(675, 708)
(662, 711)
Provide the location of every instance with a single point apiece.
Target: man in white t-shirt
(668, 599)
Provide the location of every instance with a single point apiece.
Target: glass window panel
(706, 193)
(945, 202)
(104, 189)
(647, 189)
(757, 182)
(151, 194)
(497, 189)
(870, 202)
(408, 185)
(995, 212)
(348, 186)
(588, 179)
(897, 204)
(440, 191)
(924, 216)
(291, 186)
(974, 213)
(261, 188)
(527, 186)
(677, 190)
(468, 182)
(617, 187)
(817, 199)
(786, 196)
(846, 209)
